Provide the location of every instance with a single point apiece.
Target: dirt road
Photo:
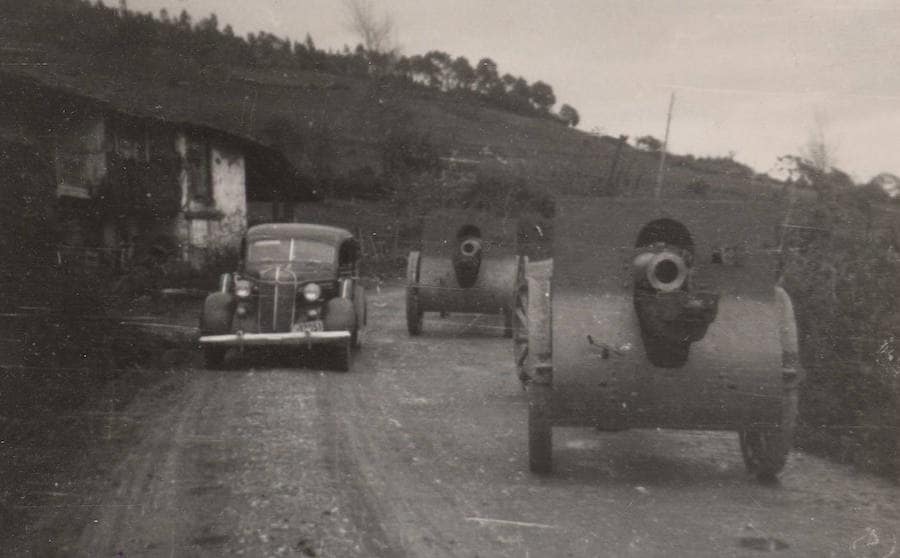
(420, 451)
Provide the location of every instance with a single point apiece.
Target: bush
(158, 270)
(844, 287)
(698, 187)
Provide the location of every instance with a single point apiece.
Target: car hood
(302, 272)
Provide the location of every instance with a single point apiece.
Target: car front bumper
(286, 338)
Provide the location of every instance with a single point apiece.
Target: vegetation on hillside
(95, 28)
(841, 268)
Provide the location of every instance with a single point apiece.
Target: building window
(199, 184)
(80, 158)
(131, 145)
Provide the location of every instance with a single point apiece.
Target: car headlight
(311, 292)
(242, 288)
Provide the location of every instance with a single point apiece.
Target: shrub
(844, 287)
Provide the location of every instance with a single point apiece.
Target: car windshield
(290, 250)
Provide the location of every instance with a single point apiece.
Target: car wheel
(341, 357)
(765, 449)
(507, 324)
(214, 357)
(540, 430)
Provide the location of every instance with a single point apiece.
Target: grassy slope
(357, 114)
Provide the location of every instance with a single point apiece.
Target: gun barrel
(470, 247)
(664, 271)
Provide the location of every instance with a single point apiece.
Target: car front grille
(277, 292)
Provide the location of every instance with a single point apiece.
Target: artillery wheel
(414, 312)
(532, 328)
(765, 449)
(533, 353)
(540, 429)
(214, 357)
(520, 321)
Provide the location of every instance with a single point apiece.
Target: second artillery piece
(467, 263)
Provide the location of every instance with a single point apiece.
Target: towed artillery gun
(661, 316)
(467, 263)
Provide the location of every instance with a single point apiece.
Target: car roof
(320, 233)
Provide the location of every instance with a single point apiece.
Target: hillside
(334, 127)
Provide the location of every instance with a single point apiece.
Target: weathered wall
(216, 224)
(80, 155)
(229, 184)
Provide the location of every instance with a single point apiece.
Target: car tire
(508, 323)
(341, 356)
(214, 357)
(765, 449)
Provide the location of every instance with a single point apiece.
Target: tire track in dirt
(385, 456)
(350, 468)
(148, 476)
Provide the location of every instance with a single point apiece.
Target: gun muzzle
(664, 271)
(467, 261)
(470, 248)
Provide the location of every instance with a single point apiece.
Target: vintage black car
(298, 286)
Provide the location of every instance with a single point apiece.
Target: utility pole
(608, 186)
(665, 145)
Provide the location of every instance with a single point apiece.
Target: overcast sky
(750, 77)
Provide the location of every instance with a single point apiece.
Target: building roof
(168, 104)
(321, 233)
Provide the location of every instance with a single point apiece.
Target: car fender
(359, 304)
(339, 315)
(218, 309)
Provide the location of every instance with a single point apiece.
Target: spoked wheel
(765, 449)
(532, 333)
(414, 312)
(533, 353)
(520, 326)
